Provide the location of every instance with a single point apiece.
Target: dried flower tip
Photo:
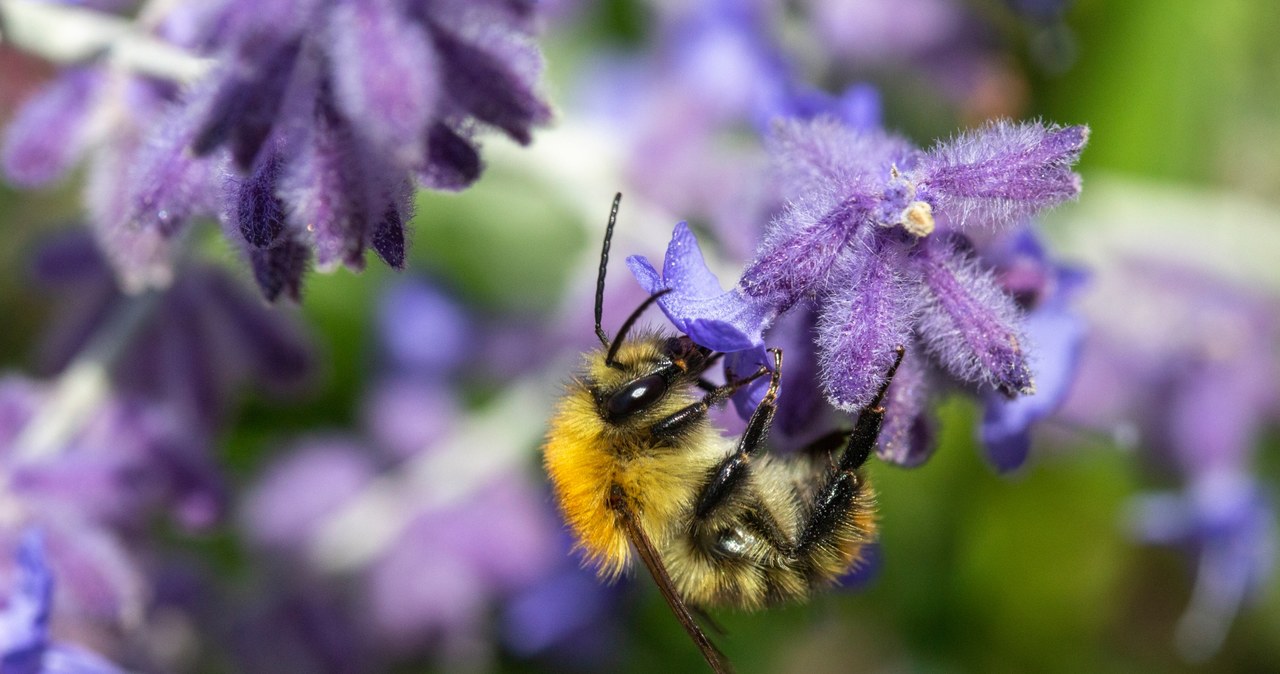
(917, 219)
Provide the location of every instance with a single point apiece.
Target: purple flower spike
(46, 135)
(861, 325)
(384, 75)
(968, 323)
(697, 305)
(1003, 171)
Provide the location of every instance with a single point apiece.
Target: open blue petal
(721, 320)
(1056, 334)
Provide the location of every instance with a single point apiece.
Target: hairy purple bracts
(874, 236)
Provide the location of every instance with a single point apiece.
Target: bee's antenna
(626, 325)
(604, 265)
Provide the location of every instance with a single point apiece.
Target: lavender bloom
(323, 112)
(364, 94)
(859, 235)
(25, 646)
(861, 198)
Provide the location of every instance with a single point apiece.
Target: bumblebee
(635, 463)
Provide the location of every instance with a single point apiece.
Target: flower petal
(1056, 335)
(969, 325)
(385, 77)
(908, 435)
(1002, 172)
(494, 83)
(452, 162)
(246, 99)
(862, 324)
(721, 320)
(259, 213)
(685, 268)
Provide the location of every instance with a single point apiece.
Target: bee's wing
(718, 662)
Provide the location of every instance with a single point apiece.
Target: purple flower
(872, 243)
(423, 330)
(284, 509)
(859, 234)
(566, 617)
(717, 319)
(25, 644)
(333, 110)
(1227, 523)
(1056, 332)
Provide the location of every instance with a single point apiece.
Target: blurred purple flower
(284, 510)
(206, 338)
(25, 643)
(1189, 375)
(364, 94)
(567, 617)
(305, 138)
(1227, 523)
(423, 331)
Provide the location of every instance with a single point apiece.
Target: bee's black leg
(733, 470)
(844, 482)
(681, 419)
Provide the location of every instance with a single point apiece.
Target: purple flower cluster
(877, 239)
(305, 140)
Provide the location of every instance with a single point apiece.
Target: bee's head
(643, 372)
(630, 377)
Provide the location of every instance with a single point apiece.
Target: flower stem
(69, 35)
(85, 383)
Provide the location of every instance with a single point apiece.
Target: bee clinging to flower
(635, 463)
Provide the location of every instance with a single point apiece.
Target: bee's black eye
(636, 396)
